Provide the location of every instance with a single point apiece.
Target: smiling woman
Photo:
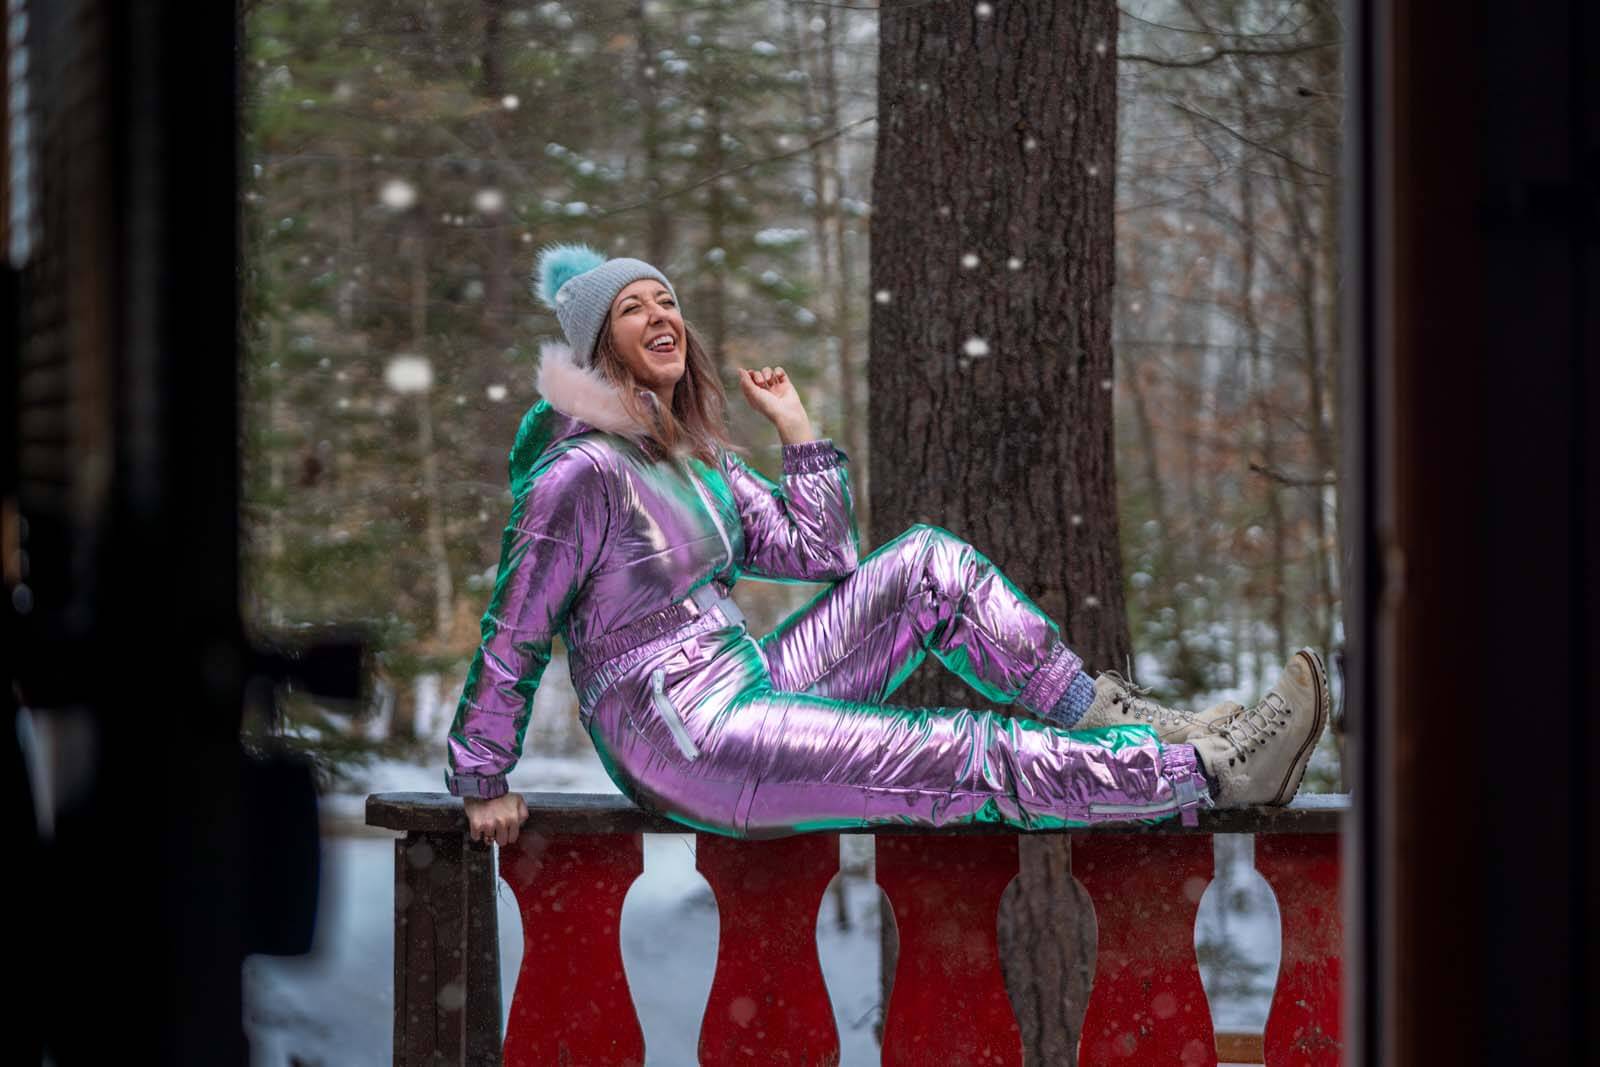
(633, 517)
(646, 333)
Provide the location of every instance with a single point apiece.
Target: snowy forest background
(404, 162)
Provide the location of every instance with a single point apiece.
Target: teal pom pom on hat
(559, 264)
(579, 283)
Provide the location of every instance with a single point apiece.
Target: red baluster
(768, 1001)
(1147, 1005)
(1303, 870)
(572, 1003)
(948, 1003)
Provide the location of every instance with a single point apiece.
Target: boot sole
(1297, 769)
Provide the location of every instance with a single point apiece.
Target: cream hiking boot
(1259, 754)
(1118, 702)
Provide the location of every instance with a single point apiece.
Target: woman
(633, 518)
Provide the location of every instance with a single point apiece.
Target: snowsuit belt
(586, 661)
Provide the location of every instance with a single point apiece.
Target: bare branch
(1289, 479)
(1212, 54)
(1252, 142)
(708, 179)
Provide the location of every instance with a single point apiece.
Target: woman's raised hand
(498, 820)
(771, 393)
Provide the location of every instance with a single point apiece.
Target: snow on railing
(579, 853)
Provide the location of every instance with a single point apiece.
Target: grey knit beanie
(579, 283)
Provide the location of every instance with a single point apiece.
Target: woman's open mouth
(662, 345)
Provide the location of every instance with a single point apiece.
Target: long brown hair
(696, 423)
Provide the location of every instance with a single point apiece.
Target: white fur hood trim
(582, 393)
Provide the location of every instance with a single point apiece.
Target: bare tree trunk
(1166, 551)
(1326, 136)
(1261, 391)
(835, 266)
(347, 242)
(716, 294)
(991, 383)
(844, 289)
(1308, 260)
(658, 219)
(438, 558)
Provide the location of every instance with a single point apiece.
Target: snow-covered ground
(334, 1008)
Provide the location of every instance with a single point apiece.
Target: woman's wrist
(796, 432)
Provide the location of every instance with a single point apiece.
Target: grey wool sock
(1073, 702)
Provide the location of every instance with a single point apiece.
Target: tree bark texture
(990, 367)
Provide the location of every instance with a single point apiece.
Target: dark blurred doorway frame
(169, 854)
(1471, 300)
(1472, 265)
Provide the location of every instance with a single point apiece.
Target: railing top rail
(599, 813)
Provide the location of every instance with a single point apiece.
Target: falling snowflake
(496, 392)
(1136, 307)
(1094, 169)
(1099, 48)
(1105, 383)
(409, 374)
(1013, 263)
(969, 260)
(976, 347)
(983, 11)
(1030, 144)
(1077, 520)
(489, 201)
(1091, 601)
(510, 102)
(882, 296)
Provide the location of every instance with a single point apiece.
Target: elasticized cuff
(483, 787)
(1180, 766)
(809, 457)
(1042, 691)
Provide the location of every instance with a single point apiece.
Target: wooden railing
(578, 854)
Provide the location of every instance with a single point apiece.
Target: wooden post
(446, 953)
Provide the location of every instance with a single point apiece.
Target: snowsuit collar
(582, 393)
(577, 399)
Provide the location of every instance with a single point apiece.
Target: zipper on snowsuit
(680, 733)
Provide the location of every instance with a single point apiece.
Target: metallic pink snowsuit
(627, 557)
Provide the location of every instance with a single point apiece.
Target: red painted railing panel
(1147, 1005)
(948, 1003)
(572, 1004)
(1304, 1024)
(768, 1003)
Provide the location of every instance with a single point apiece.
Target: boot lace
(1248, 730)
(1138, 700)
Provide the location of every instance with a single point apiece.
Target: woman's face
(647, 332)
